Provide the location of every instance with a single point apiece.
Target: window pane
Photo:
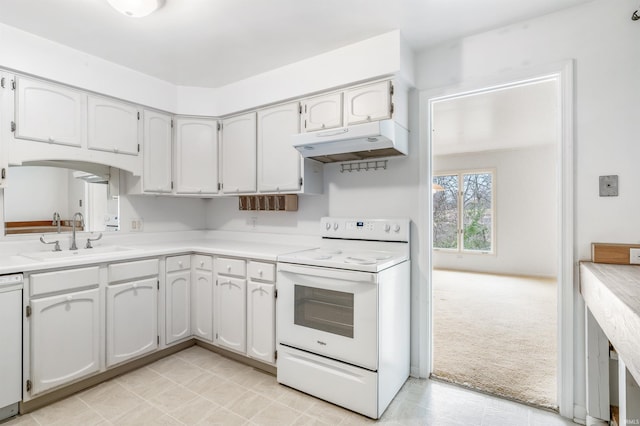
(445, 212)
(477, 211)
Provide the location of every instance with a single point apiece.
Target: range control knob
(396, 228)
(335, 226)
(387, 227)
(328, 225)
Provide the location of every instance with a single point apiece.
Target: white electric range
(344, 314)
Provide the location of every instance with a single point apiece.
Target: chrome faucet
(73, 229)
(56, 220)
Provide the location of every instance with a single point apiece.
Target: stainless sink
(66, 254)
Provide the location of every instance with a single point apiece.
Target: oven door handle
(337, 274)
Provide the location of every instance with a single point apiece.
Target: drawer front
(178, 263)
(262, 271)
(132, 270)
(227, 266)
(51, 282)
(203, 262)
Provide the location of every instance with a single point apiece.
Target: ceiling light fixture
(136, 8)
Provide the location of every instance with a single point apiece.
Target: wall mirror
(38, 191)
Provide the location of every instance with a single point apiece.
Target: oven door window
(325, 310)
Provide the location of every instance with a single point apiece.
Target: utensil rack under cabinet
(285, 202)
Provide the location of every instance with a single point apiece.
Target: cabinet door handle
(260, 272)
(51, 140)
(229, 268)
(69, 298)
(180, 264)
(115, 150)
(201, 263)
(135, 285)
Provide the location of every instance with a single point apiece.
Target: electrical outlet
(634, 256)
(136, 225)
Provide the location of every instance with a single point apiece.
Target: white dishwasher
(11, 344)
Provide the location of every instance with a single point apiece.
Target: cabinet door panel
(178, 301)
(202, 304)
(132, 320)
(49, 113)
(156, 152)
(5, 120)
(231, 313)
(261, 324)
(278, 161)
(113, 126)
(323, 112)
(369, 103)
(65, 338)
(196, 156)
(238, 154)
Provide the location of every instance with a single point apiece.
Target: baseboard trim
(268, 368)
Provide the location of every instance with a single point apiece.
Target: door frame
(564, 72)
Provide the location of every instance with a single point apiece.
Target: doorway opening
(496, 243)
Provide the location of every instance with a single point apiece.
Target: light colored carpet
(497, 334)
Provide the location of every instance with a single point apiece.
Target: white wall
(35, 193)
(525, 211)
(162, 213)
(603, 40)
(376, 56)
(382, 55)
(28, 53)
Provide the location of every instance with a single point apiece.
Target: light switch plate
(634, 256)
(609, 186)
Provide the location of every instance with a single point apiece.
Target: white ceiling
(211, 43)
(517, 117)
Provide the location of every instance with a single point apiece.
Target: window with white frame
(463, 211)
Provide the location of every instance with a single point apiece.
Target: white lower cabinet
(65, 339)
(261, 321)
(202, 297)
(230, 304)
(132, 310)
(230, 310)
(177, 298)
(261, 311)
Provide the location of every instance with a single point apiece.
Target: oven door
(330, 312)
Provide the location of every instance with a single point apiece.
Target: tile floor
(198, 387)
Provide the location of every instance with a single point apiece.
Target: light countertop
(612, 294)
(244, 247)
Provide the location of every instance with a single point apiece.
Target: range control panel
(391, 229)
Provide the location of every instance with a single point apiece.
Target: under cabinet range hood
(376, 139)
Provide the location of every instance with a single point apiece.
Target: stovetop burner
(362, 245)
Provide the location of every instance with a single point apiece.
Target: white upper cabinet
(50, 113)
(113, 126)
(322, 112)
(196, 159)
(279, 162)
(369, 103)
(156, 152)
(238, 154)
